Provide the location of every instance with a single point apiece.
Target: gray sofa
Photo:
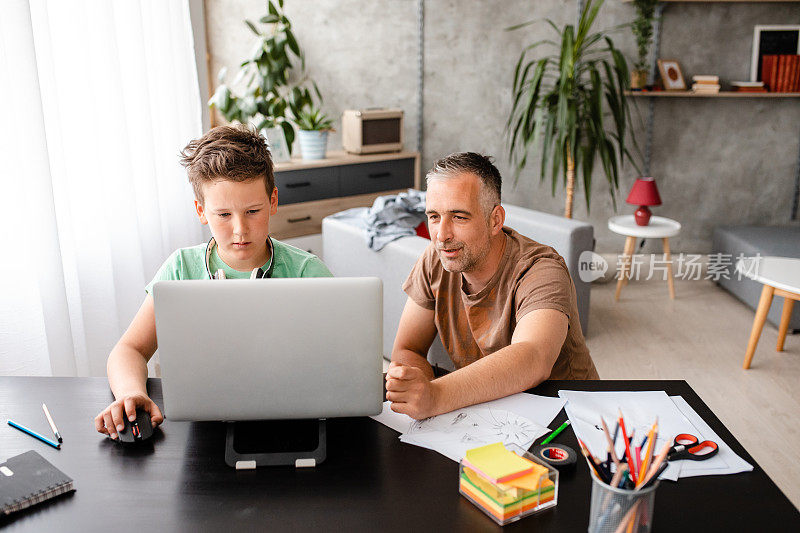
(345, 252)
(783, 241)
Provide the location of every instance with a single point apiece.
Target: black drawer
(307, 184)
(374, 177)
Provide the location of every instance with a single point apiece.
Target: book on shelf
(28, 479)
(748, 87)
(781, 73)
(706, 79)
(705, 88)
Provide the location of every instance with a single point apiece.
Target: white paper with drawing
(452, 434)
(640, 409)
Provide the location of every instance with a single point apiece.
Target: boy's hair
(477, 164)
(234, 153)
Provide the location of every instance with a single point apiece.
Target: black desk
(370, 481)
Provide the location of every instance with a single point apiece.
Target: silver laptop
(270, 348)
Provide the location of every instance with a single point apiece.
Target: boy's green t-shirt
(190, 263)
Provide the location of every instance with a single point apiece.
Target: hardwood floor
(701, 337)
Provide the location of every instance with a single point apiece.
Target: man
(503, 305)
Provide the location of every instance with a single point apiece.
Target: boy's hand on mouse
(111, 420)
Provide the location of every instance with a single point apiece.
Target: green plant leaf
(270, 19)
(252, 27)
(292, 42)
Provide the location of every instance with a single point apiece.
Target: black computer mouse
(138, 431)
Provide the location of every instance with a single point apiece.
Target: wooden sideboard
(308, 191)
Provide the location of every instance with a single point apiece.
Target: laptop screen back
(270, 349)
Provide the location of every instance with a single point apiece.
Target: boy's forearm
(127, 371)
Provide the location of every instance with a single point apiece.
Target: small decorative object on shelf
(642, 28)
(671, 75)
(644, 193)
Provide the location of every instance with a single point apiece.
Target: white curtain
(98, 98)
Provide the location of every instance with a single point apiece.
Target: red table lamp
(644, 193)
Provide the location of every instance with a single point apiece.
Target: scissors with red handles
(688, 446)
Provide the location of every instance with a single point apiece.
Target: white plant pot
(313, 144)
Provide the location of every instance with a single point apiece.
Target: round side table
(659, 228)
(781, 277)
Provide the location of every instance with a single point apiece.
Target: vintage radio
(367, 131)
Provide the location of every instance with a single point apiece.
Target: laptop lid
(270, 349)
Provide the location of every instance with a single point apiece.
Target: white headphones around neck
(257, 273)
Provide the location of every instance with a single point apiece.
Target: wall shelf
(721, 1)
(721, 94)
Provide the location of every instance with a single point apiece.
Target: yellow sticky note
(529, 481)
(498, 463)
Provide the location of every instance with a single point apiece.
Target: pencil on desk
(34, 434)
(52, 423)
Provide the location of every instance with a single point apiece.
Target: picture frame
(276, 142)
(773, 39)
(671, 75)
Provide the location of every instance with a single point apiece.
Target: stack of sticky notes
(503, 484)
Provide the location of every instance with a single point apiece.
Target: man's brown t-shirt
(530, 276)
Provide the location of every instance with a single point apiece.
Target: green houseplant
(313, 126)
(268, 90)
(558, 103)
(642, 27)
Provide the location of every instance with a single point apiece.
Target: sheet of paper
(397, 421)
(539, 409)
(640, 409)
(452, 434)
(733, 463)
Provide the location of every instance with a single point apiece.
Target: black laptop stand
(299, 443)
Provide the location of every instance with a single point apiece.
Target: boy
(230, 170)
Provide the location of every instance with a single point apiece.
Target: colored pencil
(34, 434)
(638, 458)
(631, 464)
(52, 423)
(621, 469)
(593, 463)
(611, 451)
(662, 455)
(651, 442)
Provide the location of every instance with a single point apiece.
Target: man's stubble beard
(467, 262)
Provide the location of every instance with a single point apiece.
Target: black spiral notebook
(28, 479)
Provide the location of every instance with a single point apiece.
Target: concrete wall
(716, 161)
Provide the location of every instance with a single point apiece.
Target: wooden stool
(659, 228)
(781, 277)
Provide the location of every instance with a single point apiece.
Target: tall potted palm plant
(558, 107)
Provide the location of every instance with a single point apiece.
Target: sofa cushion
(783, 241)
